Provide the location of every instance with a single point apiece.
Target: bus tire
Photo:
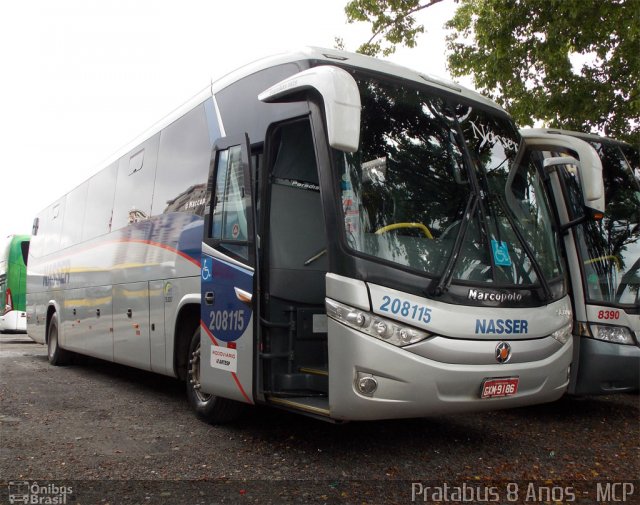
(209, 408)
(56, 354)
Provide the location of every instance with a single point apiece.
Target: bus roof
(315, 54)
(12, 239)
(11, 244)
(593, 137)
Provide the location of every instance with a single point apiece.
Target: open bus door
(227, 278)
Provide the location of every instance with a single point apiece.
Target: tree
(521, 56)
(524, 54)
(392, 21)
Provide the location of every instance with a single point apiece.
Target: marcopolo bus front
(448, 293)
(386, 365)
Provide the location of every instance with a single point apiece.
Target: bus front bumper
(409, 385)
(606, 368)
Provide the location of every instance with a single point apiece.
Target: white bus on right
(602, 252)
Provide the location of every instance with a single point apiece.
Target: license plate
(493, 388)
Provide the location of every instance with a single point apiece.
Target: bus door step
(314, 405)
(314, 370)
(301, 382)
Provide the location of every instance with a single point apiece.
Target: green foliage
(392, 21)
(518, 52)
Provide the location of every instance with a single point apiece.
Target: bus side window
(183, 166)
(74, 212)
(98, 214)
(53, 217)
(134, 184)
(24, 247)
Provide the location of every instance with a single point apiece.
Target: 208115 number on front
(406, 309)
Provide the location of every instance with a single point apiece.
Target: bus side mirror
(36, 225)
(589, 167)
(588, 209)
(561, 160)
(340, 95)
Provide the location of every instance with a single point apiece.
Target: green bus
(13, 278)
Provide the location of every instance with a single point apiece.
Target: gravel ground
(126, 436)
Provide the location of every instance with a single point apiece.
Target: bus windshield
(440, 187)
(610, 248)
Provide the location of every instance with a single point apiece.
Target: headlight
(615, 334)
(376, 326)
(563, 334)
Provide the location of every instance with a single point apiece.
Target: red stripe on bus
(206, 330)
(233, 374)
(57, 256)
(162, 246)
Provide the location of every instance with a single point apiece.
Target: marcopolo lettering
(493, 296)
(502, 326)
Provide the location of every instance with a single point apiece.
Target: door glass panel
(235, 217)
(229, 219)
(221, 180)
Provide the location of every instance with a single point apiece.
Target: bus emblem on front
(503, 352)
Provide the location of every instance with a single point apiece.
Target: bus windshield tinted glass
(610, 248)
(440, 185)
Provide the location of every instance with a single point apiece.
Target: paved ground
(125, 436)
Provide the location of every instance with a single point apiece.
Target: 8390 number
(608, 314)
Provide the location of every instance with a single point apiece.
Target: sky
(82, 78)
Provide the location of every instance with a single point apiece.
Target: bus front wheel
(208, 407)
(56, 354)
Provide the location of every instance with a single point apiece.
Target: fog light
(367, 385)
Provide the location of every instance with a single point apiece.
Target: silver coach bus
(322, 232)
(603, 259)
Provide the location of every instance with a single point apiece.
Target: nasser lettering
(502, 326)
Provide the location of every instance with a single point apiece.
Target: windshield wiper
(527, 249)
(447, 274)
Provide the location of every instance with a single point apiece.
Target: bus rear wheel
(56, 354)
(208, 407)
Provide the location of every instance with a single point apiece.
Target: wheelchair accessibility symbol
(500, 253)
(207, 267)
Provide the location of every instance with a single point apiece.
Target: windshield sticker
(350, 205)
(500, 253)
(485, 135)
